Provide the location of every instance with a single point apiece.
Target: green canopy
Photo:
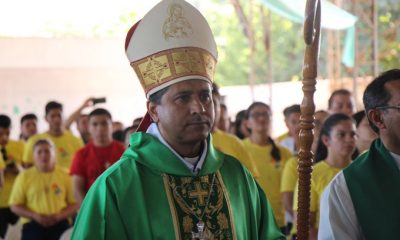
(332, 17)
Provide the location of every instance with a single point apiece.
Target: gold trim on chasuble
(200, 207)
(174, 63)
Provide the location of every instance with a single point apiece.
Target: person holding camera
(82, 120)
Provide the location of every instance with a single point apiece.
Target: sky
(27, 18)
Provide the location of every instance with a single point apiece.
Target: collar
(194, 164)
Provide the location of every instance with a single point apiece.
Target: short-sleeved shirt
(43, 192)
(231, 145)
(289, 175)
(321, 176)
(14, 151)
(91, 161)
(270, 174)
(65, 147)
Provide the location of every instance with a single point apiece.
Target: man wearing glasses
(362, 201)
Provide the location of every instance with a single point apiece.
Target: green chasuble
(373, 180)
(151, 194)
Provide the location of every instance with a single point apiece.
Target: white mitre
(172, 43)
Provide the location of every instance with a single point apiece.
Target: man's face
(186, 113)
(391, 117)
(54, 118)
(100, 128)
(44, 157)
(4, 136)
(29, 127)
(293, 124)
(342, 103)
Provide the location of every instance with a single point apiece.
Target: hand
(43, 220)
(88, 102)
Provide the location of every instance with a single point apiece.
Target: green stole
(137, 198)
(373, 180)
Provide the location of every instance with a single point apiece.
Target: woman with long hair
(268, 156)
(336, 145)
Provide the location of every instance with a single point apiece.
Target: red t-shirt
(90, 161)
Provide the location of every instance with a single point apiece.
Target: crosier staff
(312, 25)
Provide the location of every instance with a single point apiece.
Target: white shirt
(194, 164)
(338, 219)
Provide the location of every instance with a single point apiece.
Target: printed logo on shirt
(63, 152)
(56, 189)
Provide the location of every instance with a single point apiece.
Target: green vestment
(373, 180)
(144, 196)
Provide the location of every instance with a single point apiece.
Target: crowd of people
(47, 195)
(185, 171)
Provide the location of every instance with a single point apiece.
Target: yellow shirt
(289, 175)
(321, 176)
(41, 192)
(65, 147)
(282, 137)
(270, 174)
(2, 164)
(14, 150)
(231, 145)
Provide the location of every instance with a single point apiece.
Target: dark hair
(119, 136)
(100, 111)
(375, 95)
(330, 122)
(256, 104)
(358, 117)
(337, 92)
(240, 116)
(157, 96)
(291, 109)
(275, 153)
(53, 105)
(28, 116)
(215, 89)
(5, 121)
(43, 141)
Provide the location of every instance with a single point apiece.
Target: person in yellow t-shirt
(43, 196)
(65, 143)
(11, 154)
(337, 143)
(290, 175)
(268, 156)
(228, 143)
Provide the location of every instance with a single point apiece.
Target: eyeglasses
(389, 107)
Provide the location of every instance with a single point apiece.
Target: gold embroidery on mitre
(168, 65)
(176, 25)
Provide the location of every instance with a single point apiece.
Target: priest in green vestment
(171, 183)
(363, 201)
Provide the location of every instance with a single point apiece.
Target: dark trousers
(6, 217)
(35, 231)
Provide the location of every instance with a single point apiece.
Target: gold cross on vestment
(199, 193)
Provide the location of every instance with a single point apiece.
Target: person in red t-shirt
(100, 153)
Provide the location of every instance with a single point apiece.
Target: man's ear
(376, 117)
(152, 109)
